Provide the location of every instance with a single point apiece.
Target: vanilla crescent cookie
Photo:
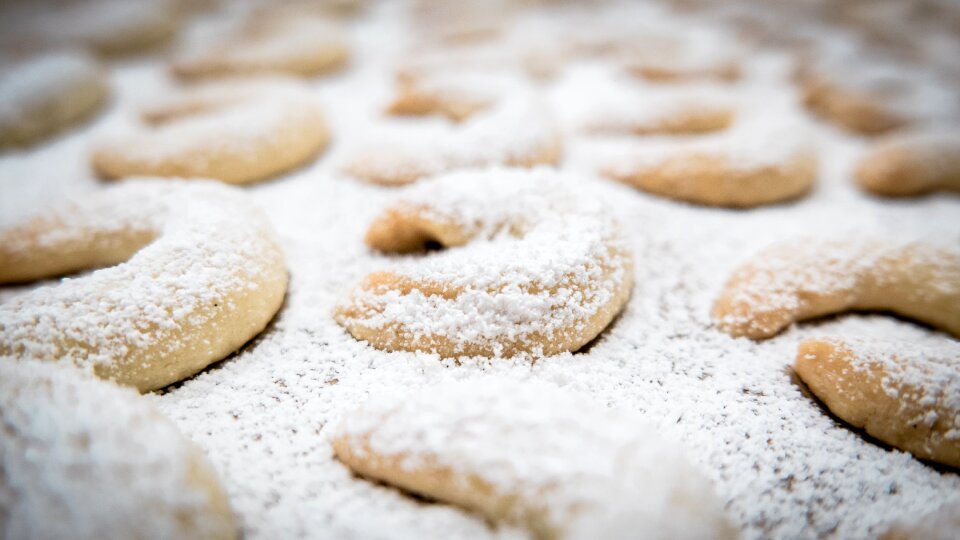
(518, 130)
(85, 459)
(673, 113)
(47, 94)
(911, 163)
(940, 524)
(698, 55)
(808, 278)
(107, 27)
(533, 268)
(746, 167)
(453, 93)
(904, 394)
(532, 455)
(237, 132)
(872, 97)
(199, 272)
(269, 41)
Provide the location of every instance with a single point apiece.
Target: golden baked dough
(740, 169)
(237, 132)
(808, 278)
(83, 458)
(906, 395)
(47, 94)
(531, 455)
(533, 269)
(911, 163)
(204, 273)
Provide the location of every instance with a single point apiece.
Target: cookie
(532, 268)
(272, 40)
(199, 272)
(83, 458)
(106, 27)
(683, 113)
(745, 168)
(905, 395)
(807, 278)
(236, 132)
(531, 455)
(517, 131)
(911, 163)
(47, 94)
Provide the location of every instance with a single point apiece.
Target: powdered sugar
(784, 468)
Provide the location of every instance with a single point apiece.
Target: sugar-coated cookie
(807, 278)
(532, 455)
(665, 58)
(532, 268)
(199, 271)
(518, 130)
(906, 395)
(106, 27)
(911, 163)
(238, 132)
(83, 458)
(872, 97)
(271, 40)
(666, 114)
(743, 168)
(48, 93)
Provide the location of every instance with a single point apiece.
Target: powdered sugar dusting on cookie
(84, 459)
(580, 469)
(210, 241)
(783, 467)
(542, 262)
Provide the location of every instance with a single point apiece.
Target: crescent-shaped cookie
(83, 458)
(911, 163)
(199, 271)
(808, 278)
(47, 94)
(531, 455)
(532, 269)
(279, 41)
(515, 131)
(237, 132)
(744, 168)
(906, 395)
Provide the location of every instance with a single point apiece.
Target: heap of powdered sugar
(86, 459)
(542, 260)
(207, 240)
(577, 467)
